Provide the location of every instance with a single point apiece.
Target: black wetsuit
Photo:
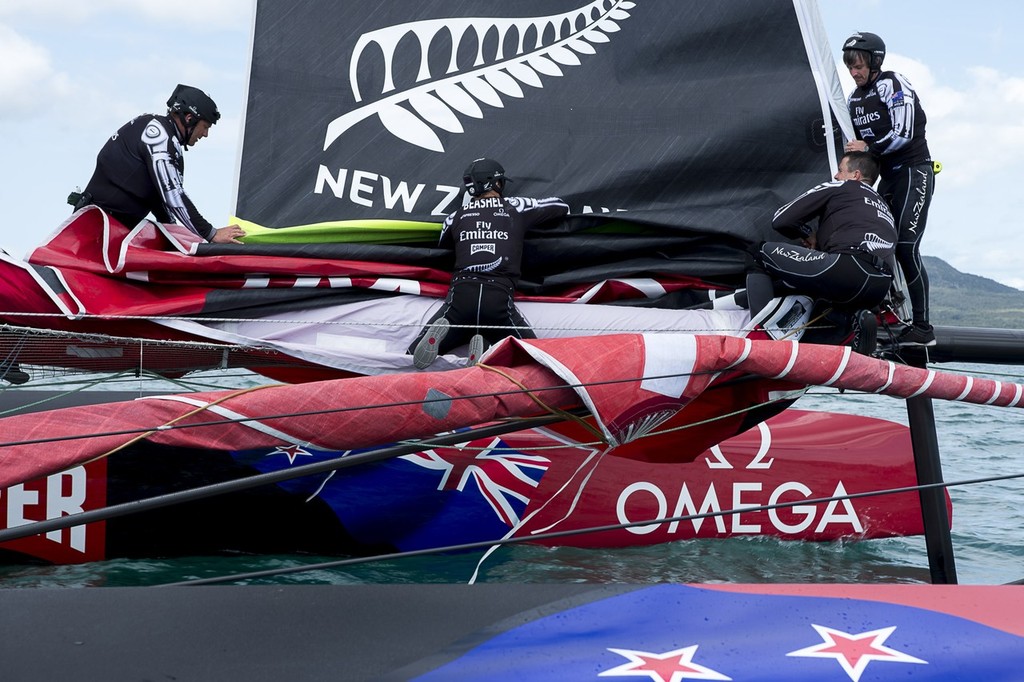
(139, 171)
(887, 114)
(487, 236)
(855, 241)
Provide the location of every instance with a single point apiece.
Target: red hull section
(74, 491)
(793, 457)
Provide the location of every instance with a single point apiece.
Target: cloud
(28, 81)
(210, 15)
(34, 87)
(977, 130)
(58, 57)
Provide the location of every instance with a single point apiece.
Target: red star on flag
(671, 666)
(292, 451)
(854, 652)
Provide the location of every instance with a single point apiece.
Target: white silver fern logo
(872, 242)
(436, 103)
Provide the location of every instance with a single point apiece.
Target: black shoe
(865, 332)
(916, 335)
(15, 375)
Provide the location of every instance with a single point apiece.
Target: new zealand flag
(471, 492)
(671, 633)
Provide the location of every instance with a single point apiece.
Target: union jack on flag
(502, 476)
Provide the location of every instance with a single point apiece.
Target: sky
(71, 73)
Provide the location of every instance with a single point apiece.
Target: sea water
(974, 442)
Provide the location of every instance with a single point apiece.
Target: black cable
(579, 531)
(343, 462)
(339, 410)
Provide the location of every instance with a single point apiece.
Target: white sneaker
(426, 349)
(476, 349)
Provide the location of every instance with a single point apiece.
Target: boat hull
(544, 480)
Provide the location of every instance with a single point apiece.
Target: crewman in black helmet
(890, 123)
(140, 169)
(487, 236)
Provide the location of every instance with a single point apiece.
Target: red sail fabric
(678, 368)
(104, 268)
(330, 415)
(309, 303)
(625, 409)
(630, 383)
(152, 269)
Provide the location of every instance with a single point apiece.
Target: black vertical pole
(937, 536)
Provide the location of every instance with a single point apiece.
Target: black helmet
(870, 43)
(484, 175)
(188, 100)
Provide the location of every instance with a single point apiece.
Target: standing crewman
(487, 236)
(890, 123)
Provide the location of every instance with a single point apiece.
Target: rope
(345, 460)
(596, 457)
(336, 410)
(58, 395)
(543, 405)
(807, 325)
(170, 424)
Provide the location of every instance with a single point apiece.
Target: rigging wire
(345, 460)
(581, 531)
(136, 373)
(200, 320)
(339, 410)
(71, 520)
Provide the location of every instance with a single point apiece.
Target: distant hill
(959, 299)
